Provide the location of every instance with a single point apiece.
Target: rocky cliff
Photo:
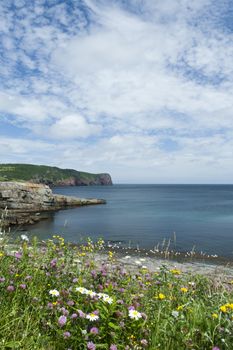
(26, 201)
(52, 176)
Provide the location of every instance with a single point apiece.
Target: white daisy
(54, 292)
(92, 317)
(135, 314)
(107, 299)
(91, 293)
(82, 290)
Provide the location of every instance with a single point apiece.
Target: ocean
(198, 217)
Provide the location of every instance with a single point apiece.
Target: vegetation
(58, 296)
(45, 174)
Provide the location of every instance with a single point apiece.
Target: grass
(57, 296)
(43, 174)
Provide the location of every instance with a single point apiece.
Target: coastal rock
(26, 201)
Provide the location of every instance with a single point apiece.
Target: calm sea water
(200, 216)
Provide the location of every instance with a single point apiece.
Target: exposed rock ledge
(27, 202)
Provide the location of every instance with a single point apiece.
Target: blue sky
(141, 89)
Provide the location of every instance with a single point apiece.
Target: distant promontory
(52, 176)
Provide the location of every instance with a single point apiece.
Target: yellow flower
(1, 254)
(214, 315)
(184, 290)
(223, 308)
(161, 296)
(180, 307)
(175, 272)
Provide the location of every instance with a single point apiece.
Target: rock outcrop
(25, 202)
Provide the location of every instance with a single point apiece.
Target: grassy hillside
(50, 175)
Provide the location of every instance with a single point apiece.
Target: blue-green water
(200, 216)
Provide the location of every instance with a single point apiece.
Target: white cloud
(73, 126)
(137, 76)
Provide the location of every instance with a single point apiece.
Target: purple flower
(81, 314)
(91, 345)
(62, 320)
(18, 255)
(23, 286)
(10, 288)
(131, 308)
(113, 347)
(70, 302)
(93, 273)
(94, 330)
(28, 277)
(2, 279)
(50, 305)
(66, 335)
(53, 263)
(215, 348)
(75, 280)
(73, 316)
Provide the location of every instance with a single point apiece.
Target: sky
(141, 89)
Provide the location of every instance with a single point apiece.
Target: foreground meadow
(57, 296)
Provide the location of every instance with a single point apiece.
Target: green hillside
(51, 175)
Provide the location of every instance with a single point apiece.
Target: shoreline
(134, 260)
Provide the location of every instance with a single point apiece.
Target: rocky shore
(26, 203)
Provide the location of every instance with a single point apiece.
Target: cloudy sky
(142, 89)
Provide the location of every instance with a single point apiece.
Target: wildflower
(23, 286)
(94, 330)
(183, 289)
(108, 299)
(81, 314)
(81, 290)
(113, 347)
(215, 348)
(180, 307)
(24, 238)
(91, 345)
(175, 314)
(144, 342)
(10, 288)
(66, 335)
(74, 316)
(90, 293)
(2, 279)
(135, 314)
(92, 317)
(175, 271)
(62, 320)
(214, 315)
(84, 332)
(18, 255)
(161, 296)
(223, 308)
(54, 292)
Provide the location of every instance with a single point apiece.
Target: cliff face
(25, 201)
(51, 175)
